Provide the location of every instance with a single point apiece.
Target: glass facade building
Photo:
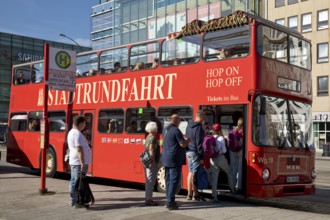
(15, 49)
(117, 22)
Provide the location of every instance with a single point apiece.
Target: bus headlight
(265, 174)
(314, 174)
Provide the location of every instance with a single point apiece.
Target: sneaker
(199, 198)
(216, 201)
(151, 203)
(172, 207)
(77, 206)
(189, 197)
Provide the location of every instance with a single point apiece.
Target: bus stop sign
(62, 69)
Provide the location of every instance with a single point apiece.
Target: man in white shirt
(80, 153)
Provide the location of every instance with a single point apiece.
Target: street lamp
(63, 35)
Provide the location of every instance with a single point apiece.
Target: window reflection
(277, 124)
(226, 44)
(87, 65)
(181, 51)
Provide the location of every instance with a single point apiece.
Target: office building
(117, 22)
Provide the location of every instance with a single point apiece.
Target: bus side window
(111, 121)
(57, 121)
(22, 76)
(87, 64)
(136, 118)
(165, 113)
(34, 121)
(37, 75)
(18, 122)
(144, 56)
(113, 61)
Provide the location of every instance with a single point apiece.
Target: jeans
(216, 163)
(151, 174)
(172, 179)
(236, 168)
(193, 161)
(75, 174)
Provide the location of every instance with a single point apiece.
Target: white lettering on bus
(292, 167)
(127, 89)
(218, 77)
(265, 160)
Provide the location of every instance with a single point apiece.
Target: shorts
(193, 161)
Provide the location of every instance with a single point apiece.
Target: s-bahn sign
(62, 69)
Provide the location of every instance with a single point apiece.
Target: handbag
(146, 158)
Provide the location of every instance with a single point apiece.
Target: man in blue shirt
(173, 157)
(195, 153)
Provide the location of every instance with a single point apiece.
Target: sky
(47, 19)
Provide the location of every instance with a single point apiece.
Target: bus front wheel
(161, 186)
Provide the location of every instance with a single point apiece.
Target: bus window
(18, 121)
(225, 44)
(185, 113)
(37, 74)
(22, 75)
(271, 126)
(143, 56)
(88, 130)
(34, 120)
(136, 118)
(299, 52)
(209, 121)
(56, 121)
(87, 64)
(301, 115)
(111, 121)
(181, 51)
(272, 43)
(114, 61)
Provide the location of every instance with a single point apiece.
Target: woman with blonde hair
(151, 143)
(219, 162)
(139, 66)
(236, 155)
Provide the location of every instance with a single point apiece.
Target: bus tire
(161, 186)
(50, 162)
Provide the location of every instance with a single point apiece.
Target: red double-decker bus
(235, 66)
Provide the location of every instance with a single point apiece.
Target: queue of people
(175, 149)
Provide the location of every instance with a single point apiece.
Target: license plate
(292, 179)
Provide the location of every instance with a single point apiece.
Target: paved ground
(20, 199)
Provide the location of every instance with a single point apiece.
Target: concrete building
(15, 49)
(311, 18)
(117, 22)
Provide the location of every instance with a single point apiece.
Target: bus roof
(238, 18)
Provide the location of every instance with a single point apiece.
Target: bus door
(227, 116)
(88, 131)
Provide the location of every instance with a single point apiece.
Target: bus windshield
(281, 123)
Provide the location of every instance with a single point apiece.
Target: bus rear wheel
(50, 162)
(161, 186)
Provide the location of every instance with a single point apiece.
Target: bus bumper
(263, 191)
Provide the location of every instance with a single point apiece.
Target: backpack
(210, 146)
(234, 139)
(82, 192)
(201, 181)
